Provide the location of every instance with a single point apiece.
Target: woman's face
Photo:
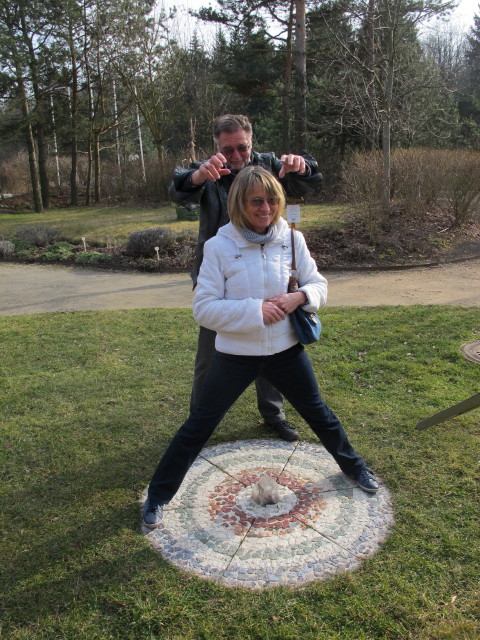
(260, 209)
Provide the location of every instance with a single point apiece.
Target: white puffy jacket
(236, 276)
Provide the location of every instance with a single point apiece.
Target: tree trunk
(40, 112)
(96, 166)
(386, 176)
(32, 156)
(22, 94)
(158, 144)
(73, 119)
(300, 77)
(74, 160)
(91, 114)
(89, 172)
(371, 130)
(387, 127)
(287, 83)
(42, 157)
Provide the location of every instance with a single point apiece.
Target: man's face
(236, 147)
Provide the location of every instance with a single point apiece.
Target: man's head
(233, 137)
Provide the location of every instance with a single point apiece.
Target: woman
(241, 294)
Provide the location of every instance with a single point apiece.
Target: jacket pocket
(237, 281)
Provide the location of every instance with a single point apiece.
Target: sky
(461, 19)
(462, 16)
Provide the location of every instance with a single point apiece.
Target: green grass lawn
(89, 401)
(104, 225)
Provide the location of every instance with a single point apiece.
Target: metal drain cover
(471, 351)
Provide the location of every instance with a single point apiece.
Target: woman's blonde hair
(247, 180)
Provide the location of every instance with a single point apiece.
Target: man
(207, 184)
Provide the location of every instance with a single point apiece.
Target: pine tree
(473, 56)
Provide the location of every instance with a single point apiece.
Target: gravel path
(28, 289)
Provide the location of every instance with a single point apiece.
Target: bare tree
(149, 65)
(378, 65)
(14, 58)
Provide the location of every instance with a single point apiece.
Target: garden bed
(401, 242)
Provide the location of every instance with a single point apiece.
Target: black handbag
(306, 324)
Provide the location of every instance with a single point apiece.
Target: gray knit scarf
(260, 238)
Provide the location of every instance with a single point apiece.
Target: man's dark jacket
(212, 196)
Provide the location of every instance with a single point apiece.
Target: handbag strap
(294, 266)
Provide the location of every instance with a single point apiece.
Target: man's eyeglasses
(258, 202)
(228, 151)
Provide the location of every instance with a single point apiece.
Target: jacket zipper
(268, 334)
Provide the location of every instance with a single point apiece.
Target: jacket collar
(231, 232)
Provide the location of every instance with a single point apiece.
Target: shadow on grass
(71, 548)
(74, 560)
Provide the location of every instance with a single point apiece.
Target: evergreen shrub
(7, 248)
(187, 236)
(39, 235)
(92, 257)
(58, 251)
(141, 244)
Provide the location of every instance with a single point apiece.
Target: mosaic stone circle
(322, 524)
